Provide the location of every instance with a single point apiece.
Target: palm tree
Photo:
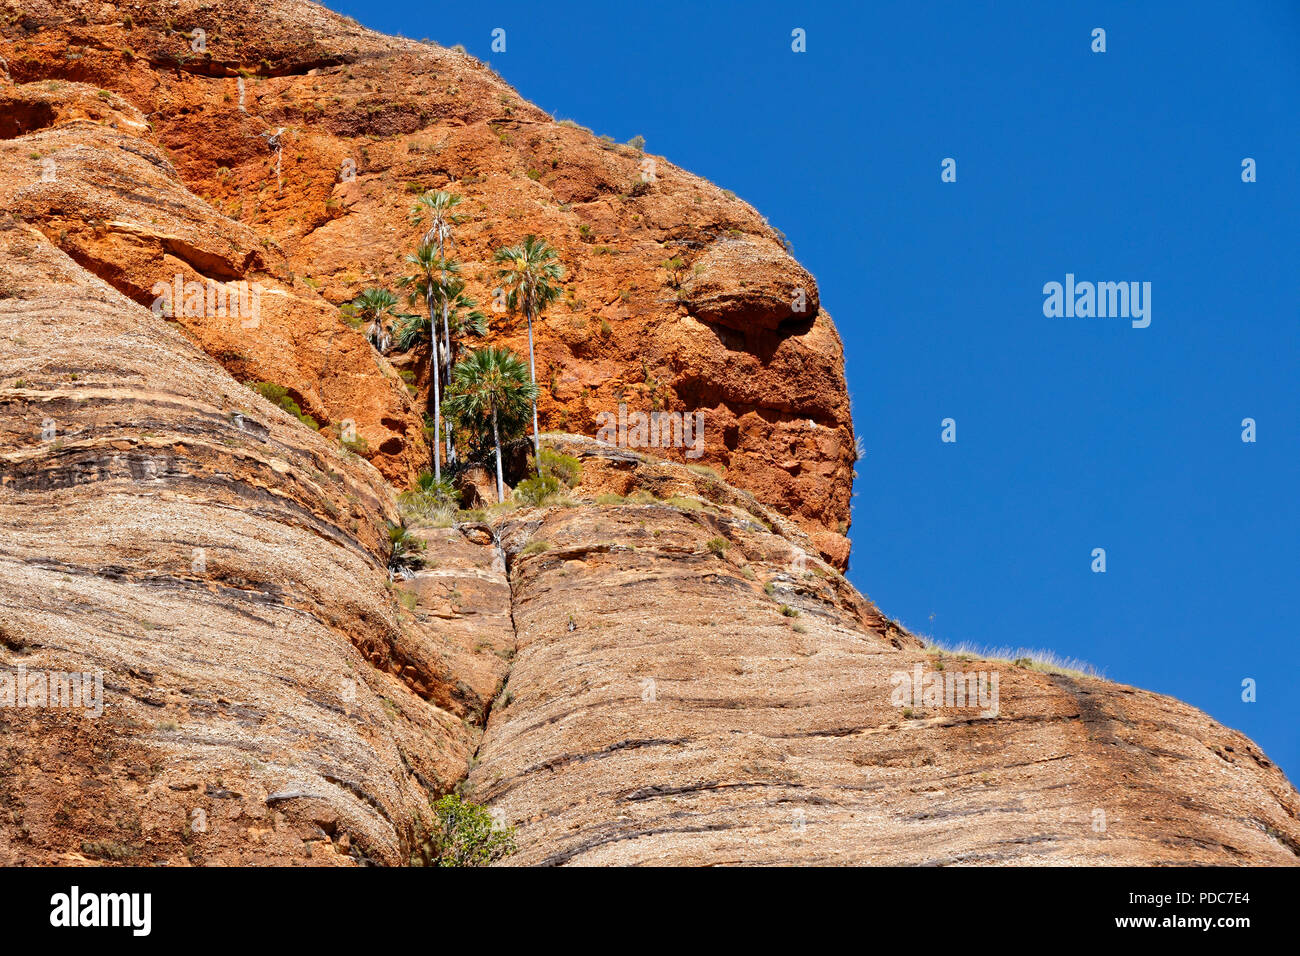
(464, 316)
(375, 307)
(422, 283)
(461, 317)
(490, 384)
(438, 207)
(530, 273)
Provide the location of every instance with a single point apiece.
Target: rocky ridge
(666, 667)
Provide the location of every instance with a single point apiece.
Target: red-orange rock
(663, 664)
(313, 135)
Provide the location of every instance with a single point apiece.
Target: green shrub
(566, 468)
(705, 470)
(690, 504)
(279, 395)
(108, 850)
(431, 500)
(406, 548)
(357, 445)
(537, 490)
(609, 499)
(464, 834)
(789, 611)
(718, 546)
(536, 546)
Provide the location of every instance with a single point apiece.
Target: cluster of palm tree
(487, 391)
(436, 280)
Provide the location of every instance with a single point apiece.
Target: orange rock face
(309, 137)
(664, 664)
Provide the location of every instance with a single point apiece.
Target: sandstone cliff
(306, 137)
(668, 667)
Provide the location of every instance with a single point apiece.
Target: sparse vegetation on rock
(463, 834)
(489, 391)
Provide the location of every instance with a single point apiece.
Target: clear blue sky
(1072, 434)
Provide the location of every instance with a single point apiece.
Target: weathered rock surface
(101, 190)
(306, 136)
(667, 668)
(224, 568)
(664, 709)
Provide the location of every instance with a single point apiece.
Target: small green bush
(108, 850)
(564, 467)
(789, 611)
(279, 395)
(718, 546)
(705, 471)
(406, 548)
(537, 490)
(536, 546)
(464, 834)
(435, 501)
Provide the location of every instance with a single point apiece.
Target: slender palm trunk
(532, 371)
(446, 343)
(437, 388)
(496, 440)
(445, 367)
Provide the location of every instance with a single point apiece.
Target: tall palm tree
(464, 319)
(460, 318)
(490, 384)
(422, 282)
(530, 273)
(375, 307)
(438, 207)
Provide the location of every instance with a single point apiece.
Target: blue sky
(1072, 433)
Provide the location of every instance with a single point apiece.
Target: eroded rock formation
(308, 137)
(664, 667)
